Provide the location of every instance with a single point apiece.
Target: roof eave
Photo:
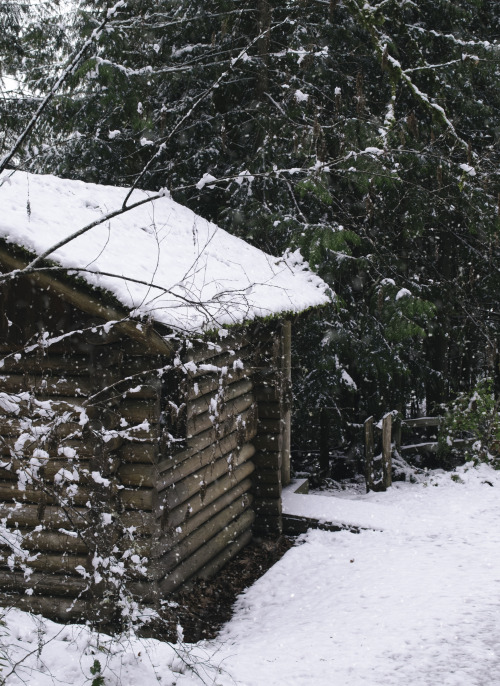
(84, 300)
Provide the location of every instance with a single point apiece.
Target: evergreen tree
(34, 39)
(362, 134)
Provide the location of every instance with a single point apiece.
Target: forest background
(366, 135)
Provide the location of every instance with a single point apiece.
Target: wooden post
(286, 401)
(272, 398)
(324, 436)
(369, 452)
(397, 430)
(387, 450)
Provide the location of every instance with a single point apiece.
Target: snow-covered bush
(472, 425)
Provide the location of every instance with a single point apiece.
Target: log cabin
(145, 395)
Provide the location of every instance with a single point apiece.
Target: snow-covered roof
(160, 259)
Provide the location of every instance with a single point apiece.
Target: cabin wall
(205, 487)
(177, 462)
(223, 483)
(83, 436)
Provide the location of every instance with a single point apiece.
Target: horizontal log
(79, 387)
(63, 585)
(13, 427)
(62, 609)
(149, 434)
(50, 516)
(62, 348)
(230, 551)
(204, 421)
(53, 568)
(268, 506)
(57, 564)
(49, 495)
(52, 467)
(294, 525)
(264, 490)
(139, 499)
(143, 365)
(269, 410)
(48, 363)
(210, 382)
(114, 385)
(231, 482)
(50, 541)
(83, 448)
(136, 411)
(267, 476)
(268, 442)
(415, 448)
(135, 388)
(75, 388)
(207, 552)
(80, 341)
(155, 356)
(232, 391)
(54, 517)
(267, 394)
(143, 475)
(211, 368)
(57, 599)
(9, 492)
(200, 536)
(422, 421)
(270, 426)
(177, 493)
(139, 453)
(72, 431)
(59, 406)
(131, 410)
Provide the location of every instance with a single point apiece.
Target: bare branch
(73, 63)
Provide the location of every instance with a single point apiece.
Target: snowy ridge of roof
(160, 260)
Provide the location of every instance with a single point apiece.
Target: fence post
(369, 452)
(387, 450)
(398, 419)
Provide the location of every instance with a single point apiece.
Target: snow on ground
(414, 603)
(159, 259)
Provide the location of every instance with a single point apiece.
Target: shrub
(472, 425)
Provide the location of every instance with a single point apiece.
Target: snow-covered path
(415, 603)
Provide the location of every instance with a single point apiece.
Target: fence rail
(378, 468)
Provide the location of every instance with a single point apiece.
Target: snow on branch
(73, 62)
(365, 13)
(214, 86)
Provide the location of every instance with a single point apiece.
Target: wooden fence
(378, 468)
